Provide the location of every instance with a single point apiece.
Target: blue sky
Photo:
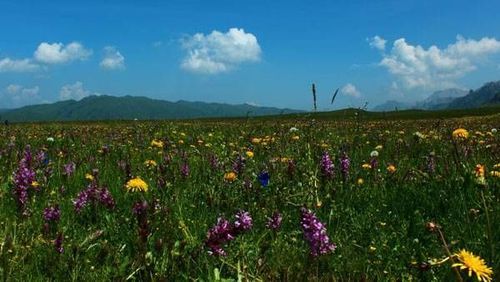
(262, 52)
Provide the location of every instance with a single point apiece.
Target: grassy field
(250, 199)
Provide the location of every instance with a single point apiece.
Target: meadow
(283, 199)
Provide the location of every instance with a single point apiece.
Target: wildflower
(345, 163)
(419, 136)
(431, 163)
(106, 198)
(24, 178)
(473, 264)
(460, 133)
(243, 221)
(479, 170)
(230, 176)
(249, 154)
(81, 201)
(360, 181)
(374, 154)
(379, 147)
(239, 164)
(274, 222)
(493, 130)
(315, 234)
(50, 139)
(218, 235)
(391, 169)
(150, 164)
(495, 173)
(256, 140)
(35, 184)
(136, 184)
(263, 178)
(140, 210)
(326, 165)
(52, 214)
(366, 166)
(185, 169)
(295, 137)
(157, 144)
(89, 177)
(58, 243)
(69, 168)
(214, 162)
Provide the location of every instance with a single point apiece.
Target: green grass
(378, 226)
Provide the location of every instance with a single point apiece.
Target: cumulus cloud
(58, 53)
(219, 52)
(74, 91)
(23, 65)
(434, 67)
(350, 90)
(377, 42)
(15, 95)
(113, 59)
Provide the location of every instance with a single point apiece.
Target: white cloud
(58, 53)
(13, 88)
(74, 91)
(350, 90)
(377, 42)
(23, 65)
(113, 59)
(219, 52)
(16, 95)
(434, 68)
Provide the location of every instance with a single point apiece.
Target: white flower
(494, 130)
(294, 129)
(374, 154)
(50, 139)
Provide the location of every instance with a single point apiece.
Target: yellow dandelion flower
(136, 184)
(157, 144)
(284, 160)
(366, 166)
(473, 264)
(360, 181)
(249, 154)
(89, 177)
(391, 169)
(150, 163)
(35, 184)
(230, 176)
(256, 140)
(479, 170)
(495, 173)
(295, 137)
(460, 133)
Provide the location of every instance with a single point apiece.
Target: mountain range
(131, 107)
(453, 98)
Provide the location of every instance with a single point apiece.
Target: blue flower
(263, 178)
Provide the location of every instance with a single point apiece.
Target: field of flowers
(268, 199)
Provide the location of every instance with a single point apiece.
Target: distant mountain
(484, 96)
(452, 98)
(392, 105)
(441, 99)
(131, 107)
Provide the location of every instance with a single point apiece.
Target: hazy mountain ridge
(452, 98)
(131, 107)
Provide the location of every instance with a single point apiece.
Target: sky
(266, 53)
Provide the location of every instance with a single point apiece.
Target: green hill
(129, 107)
